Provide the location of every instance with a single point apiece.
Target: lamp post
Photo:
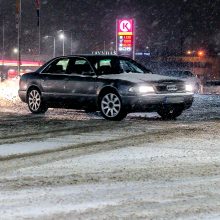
(3, 44)
(71, 42)
(18, 14)
(62, 37)
(54, 44)
(15, 50)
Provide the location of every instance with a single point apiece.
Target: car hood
(139, 77)
(192, 80)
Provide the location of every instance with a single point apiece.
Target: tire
(170, 113)
(35, 103)
(111, 107)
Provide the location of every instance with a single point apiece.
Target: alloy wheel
(111, 105)
(34, 100)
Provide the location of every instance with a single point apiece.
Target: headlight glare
(142, 89)
(146, 89)
(189, 88)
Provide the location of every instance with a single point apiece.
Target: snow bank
(9, 93)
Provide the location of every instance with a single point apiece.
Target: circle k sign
(126, 25)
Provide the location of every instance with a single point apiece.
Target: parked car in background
(113, 85)
(187, 76)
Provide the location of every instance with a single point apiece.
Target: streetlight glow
(62, 36)
(188, 52)
(201, 53)
(15, 50)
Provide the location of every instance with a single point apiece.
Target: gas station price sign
(125, 37)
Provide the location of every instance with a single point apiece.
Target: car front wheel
(111, 107)
(35, 102)
(170, 113)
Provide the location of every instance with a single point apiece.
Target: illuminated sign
(125, 37)
(102, 52)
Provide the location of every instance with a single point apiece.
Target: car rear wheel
(35, 102)
(111, 107)
(170, 113)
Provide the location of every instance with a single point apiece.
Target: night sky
(162, 25)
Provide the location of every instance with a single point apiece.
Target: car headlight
(146, 89)
(142, 89)
(189, 88)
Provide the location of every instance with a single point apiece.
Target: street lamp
(201, 53)
(15, 50)
(189, 52)
(54, 44)
(62, 37)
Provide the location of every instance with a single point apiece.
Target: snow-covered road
(70, 165)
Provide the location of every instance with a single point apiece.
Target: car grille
(170, 87)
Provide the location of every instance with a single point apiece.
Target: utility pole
(18, 18)
(71, 43)
(3, 44)
(39, 31)
(54, 46)
(63, 43)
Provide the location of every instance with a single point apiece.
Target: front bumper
(153, 102)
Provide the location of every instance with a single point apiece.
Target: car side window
(79, 66)
(58, 66)
(106, 66)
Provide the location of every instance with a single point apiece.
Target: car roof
(89, 57)
(93, 56)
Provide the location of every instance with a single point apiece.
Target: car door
(80, 86)
(53, 80)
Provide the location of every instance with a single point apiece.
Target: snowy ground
(72, 165)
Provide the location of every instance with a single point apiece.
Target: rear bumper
(153, 102)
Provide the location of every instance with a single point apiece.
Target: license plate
(174, 100)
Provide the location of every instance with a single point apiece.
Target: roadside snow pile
(9, 92)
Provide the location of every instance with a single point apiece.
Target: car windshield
(130, 66)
